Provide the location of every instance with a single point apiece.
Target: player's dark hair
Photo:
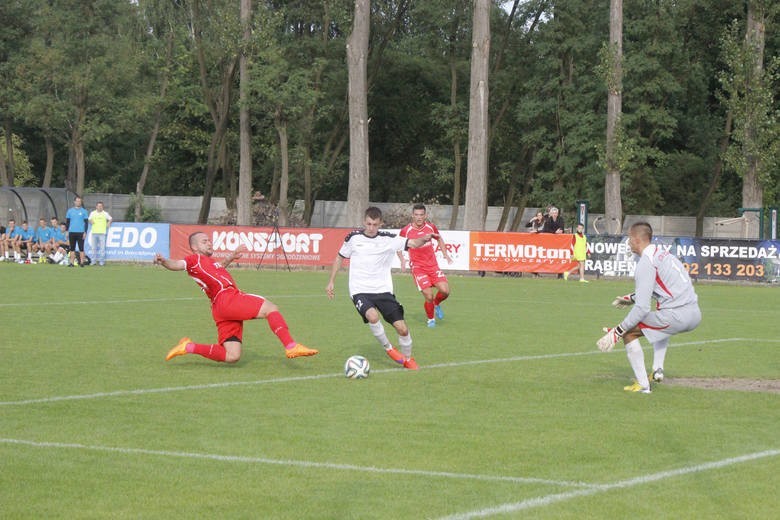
(374, 213)
(642, 228)
(418, 206)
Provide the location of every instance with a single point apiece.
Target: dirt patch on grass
(727, 383)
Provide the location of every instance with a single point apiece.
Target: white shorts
(664, 323)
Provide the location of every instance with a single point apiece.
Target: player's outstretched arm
(330, 289)
(402, 260)
(171, 265)
(443, 248)
(421, 241)
(235, 255)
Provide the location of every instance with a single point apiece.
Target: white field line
(554, 498)
(298, 463)
(143, 391)
(136, 300)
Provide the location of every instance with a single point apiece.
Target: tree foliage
(80, 91)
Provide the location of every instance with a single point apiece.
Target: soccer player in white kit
(370, 253)
(659, 275)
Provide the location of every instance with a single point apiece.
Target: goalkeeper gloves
(608, 341)
(624, 301)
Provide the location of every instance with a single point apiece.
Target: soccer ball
(356, 367)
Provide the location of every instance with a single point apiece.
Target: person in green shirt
(100, 221)
(579, 252)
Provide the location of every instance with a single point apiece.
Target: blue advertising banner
(134, 241)
(704, 258)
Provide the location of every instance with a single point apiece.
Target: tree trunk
(457, 154)
(613, 205)
(308, 194)
(9, 151)
(49, 170)
(229, 178)
(477, 168)
(357, 53)
(139, 186)
(752, 190)
(244, 199)
(284, 175)
(70, 176)
(5, 180)
(716, 174)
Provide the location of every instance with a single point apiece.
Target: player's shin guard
(637, 360)
(279, 327)
(429, 309)
(440, 297)
(379, 333)
(659, 353)
(405, 345)
(214, 351)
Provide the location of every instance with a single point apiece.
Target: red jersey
(210, 275)
(421, 257)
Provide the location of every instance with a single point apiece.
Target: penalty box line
(297, 463)
(208, 386)
(555, 498)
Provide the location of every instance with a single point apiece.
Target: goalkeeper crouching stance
(659, 275)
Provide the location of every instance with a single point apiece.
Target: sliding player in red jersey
(425, 267)
(230, 307)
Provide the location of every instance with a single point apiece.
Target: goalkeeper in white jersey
(660, 276)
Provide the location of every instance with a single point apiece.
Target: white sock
(379, 333)
(405, 345)
(636, 359)
(659, 354)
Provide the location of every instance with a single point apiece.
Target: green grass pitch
(514, 413)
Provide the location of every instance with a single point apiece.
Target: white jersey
(370, 261)
(660, 275)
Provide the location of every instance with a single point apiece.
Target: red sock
(213, 351)
(429, 309)
(440, 297)
(279, 327)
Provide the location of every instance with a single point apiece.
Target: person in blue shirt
(42, 242)
(76, 218)
(11, 240)
(26, 238)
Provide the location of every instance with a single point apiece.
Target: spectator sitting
(553, 223)
(42, 240)
(536, 223)
(2, 243)
(11, 233)
(26, 239)
(61, 244)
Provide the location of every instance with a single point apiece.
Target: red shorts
(231, 309)
(425, 278)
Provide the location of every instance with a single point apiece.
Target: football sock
(405, 345)
(214, 351)
(440, 297)
(659, 353)
(429, 309)
(637, 360)
(379, 333)
(279, 327)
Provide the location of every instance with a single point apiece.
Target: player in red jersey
(230, 307)
(425, 267)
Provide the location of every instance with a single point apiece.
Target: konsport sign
(133, 241)
(528, 252)
(266, 246)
